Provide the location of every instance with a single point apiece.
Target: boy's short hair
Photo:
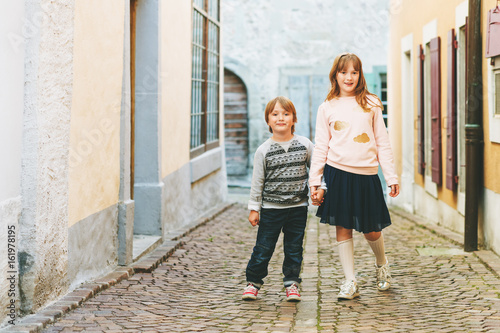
(286, 104)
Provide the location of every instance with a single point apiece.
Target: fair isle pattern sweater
(351, 139)
(280, 174)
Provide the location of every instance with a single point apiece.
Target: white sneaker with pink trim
(292, 293)
(250, 292)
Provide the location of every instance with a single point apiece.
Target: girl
(351, 140)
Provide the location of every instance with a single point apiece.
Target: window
(383, 95)
(496, 97)
(461, 97)
(451, 114)
(205, 77)
(307, 91)
(432, 109)
(421, 111)
(427, 110)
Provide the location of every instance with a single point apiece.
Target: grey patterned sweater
(280, 173)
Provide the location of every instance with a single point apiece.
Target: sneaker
(250, 292)
(348, 290)
(292, 293)
(383, 276)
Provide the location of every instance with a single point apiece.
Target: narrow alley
(436, 287)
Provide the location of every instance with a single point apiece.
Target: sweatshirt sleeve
(322, 139)
(258, 177)
(310, 150)
(384, 151)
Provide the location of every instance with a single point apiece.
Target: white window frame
(429, 32)
(408, 121)
(461, 12)
(494, 100)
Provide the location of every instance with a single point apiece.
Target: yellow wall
(94, 175)
(491, 150)
(175, 67)
(411, 18)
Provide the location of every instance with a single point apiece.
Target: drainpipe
(473, 125)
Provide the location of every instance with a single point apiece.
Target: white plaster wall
(11, 115)
(260, 37)
(184, 202)
(48, 88)
(490, 218)
(436, 211)
(92, 248)
(10, 211)
(439, 213)
(11, 97)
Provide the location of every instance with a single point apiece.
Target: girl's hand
(394, 190)
(316, 195)
(253, 218)
(313, 193)
(319, 197)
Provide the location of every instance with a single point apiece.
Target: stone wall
(267, 42)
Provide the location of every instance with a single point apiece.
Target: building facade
(287, 48)
(427, 87)
(111, 136)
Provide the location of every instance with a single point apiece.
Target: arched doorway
(235, 125)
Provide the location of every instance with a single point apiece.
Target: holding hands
(317, 195)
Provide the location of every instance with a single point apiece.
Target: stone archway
(235, 125)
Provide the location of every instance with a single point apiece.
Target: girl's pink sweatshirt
(351, 139)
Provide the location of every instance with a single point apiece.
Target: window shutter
(421, 124)
(493, 33)
(451, 131)
(436, 109)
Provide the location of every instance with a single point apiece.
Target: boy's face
(280, 120)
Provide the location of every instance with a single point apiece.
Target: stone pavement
(436, 288)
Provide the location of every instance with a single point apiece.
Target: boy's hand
(317, 195)
(253, 218)
(394, 190)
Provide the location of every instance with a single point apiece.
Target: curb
(487, 257)
(53, 312)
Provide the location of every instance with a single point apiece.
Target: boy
(279, 199)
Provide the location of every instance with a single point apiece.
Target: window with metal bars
(205, 76)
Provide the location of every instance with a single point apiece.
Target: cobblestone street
(436, 287)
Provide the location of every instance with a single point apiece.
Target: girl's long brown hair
(361, 91)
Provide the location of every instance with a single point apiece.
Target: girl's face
(347, 79)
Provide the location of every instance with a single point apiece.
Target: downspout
(473, 126)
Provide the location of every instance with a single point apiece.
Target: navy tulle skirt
(353, 201)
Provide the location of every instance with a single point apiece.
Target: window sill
(205, 164)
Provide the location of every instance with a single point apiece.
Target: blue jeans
(293, 223)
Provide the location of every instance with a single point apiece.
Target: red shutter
(451, 131)
(421, 123)
(435, 46)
